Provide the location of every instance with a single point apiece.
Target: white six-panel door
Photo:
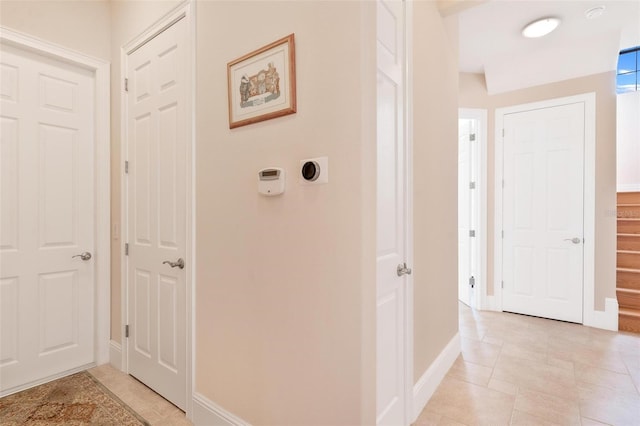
(391, 216)
(157, 138)
(47, 217)
(543, 212)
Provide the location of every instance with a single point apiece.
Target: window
(628, 64)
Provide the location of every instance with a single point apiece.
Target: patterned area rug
(74, 400)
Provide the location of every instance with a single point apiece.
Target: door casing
(102, 167)
(589, 100)
(409, 408)
(186, 11)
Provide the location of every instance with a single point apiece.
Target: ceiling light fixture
(594, 12)
(540, 27)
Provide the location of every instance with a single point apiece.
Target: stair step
(628, 198)
(628, 259)
(629, 226)
(628, 211)
(629, 320)
(628, 298)
(628, 278)
(629, 242)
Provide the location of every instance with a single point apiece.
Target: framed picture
(262, 84)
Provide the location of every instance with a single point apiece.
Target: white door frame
(408, 238)
(479, 161)
(590, 316)
(102, 168)
(186, 10)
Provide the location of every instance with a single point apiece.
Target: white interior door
(543, 212)
(47, 217)
(157, 143)
(392, 220)
(465, 130)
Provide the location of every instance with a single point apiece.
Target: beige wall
(281, 287)
(435, 192)
(81, 25)
(473, 94)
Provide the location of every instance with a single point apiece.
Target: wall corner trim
(429, 381)
(607, 319)
(207, 412)
(115, 354)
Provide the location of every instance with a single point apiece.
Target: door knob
(84, 256)
(178, 263)
(574, 240)
(403, 270)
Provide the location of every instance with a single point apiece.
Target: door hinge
(503, 183)
(503, 133)
(126, 166)
(126, 249)
(126, 84)
(502, 234)
(472, 137)
(472, 281)
(126, 330)
(472, 233)
(501, 284)
(472, 185)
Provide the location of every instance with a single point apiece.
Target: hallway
(523, 370)
(513, 369)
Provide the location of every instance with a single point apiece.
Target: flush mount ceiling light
(540, 27)
(594, 12)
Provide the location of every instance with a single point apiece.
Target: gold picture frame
(262, 84)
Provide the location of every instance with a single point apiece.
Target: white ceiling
(490, 40)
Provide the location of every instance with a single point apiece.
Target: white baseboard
(428, 383)
(115, 354)
(607, 319)
(491, 303)
(629, 187)
(207, 412)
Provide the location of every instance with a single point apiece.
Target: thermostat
(271, 181)
(314, 171)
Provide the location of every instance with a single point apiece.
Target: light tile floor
(155, 409)
(523, 370)
(513, 369)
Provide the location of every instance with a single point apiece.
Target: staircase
(628, 261)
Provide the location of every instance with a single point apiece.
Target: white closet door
(544, 212)
(157, 203)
